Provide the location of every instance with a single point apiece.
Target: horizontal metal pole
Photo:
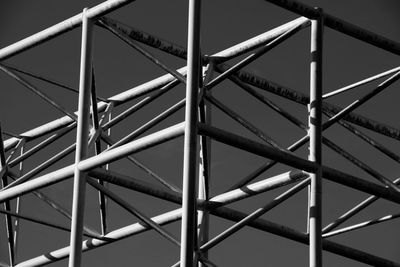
(294, 161)
(62, 27)
(226, 198)
(93, 162)
(257, 148)
(340, 25)
(300, 237)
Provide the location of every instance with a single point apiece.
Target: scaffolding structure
(93, 121)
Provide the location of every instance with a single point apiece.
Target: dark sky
(224, 23)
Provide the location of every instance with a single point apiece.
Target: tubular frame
(195, 202)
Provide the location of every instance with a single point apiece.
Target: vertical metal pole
(204, 166)
(315, 132)
(18, 208)
(188, 229)
(7, 206)
(96, 126)
(82, 135)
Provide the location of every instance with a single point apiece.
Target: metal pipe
(149, 189)
(62, 27)
(132, 147)
(18, 209)
(219, 199)
(385, 84)
(361, 225)
(362, 82)
(341, 25)
(147, 100)
(315, 149)
(82, 135)
(359, 207)
(203, 192)
(96, 127)
(188, 225)
(7, 217)
(93, 162)
(226, 198)
(374, 143)
(176, 50)
(294, 161)
(257, 148)
(299, 124)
